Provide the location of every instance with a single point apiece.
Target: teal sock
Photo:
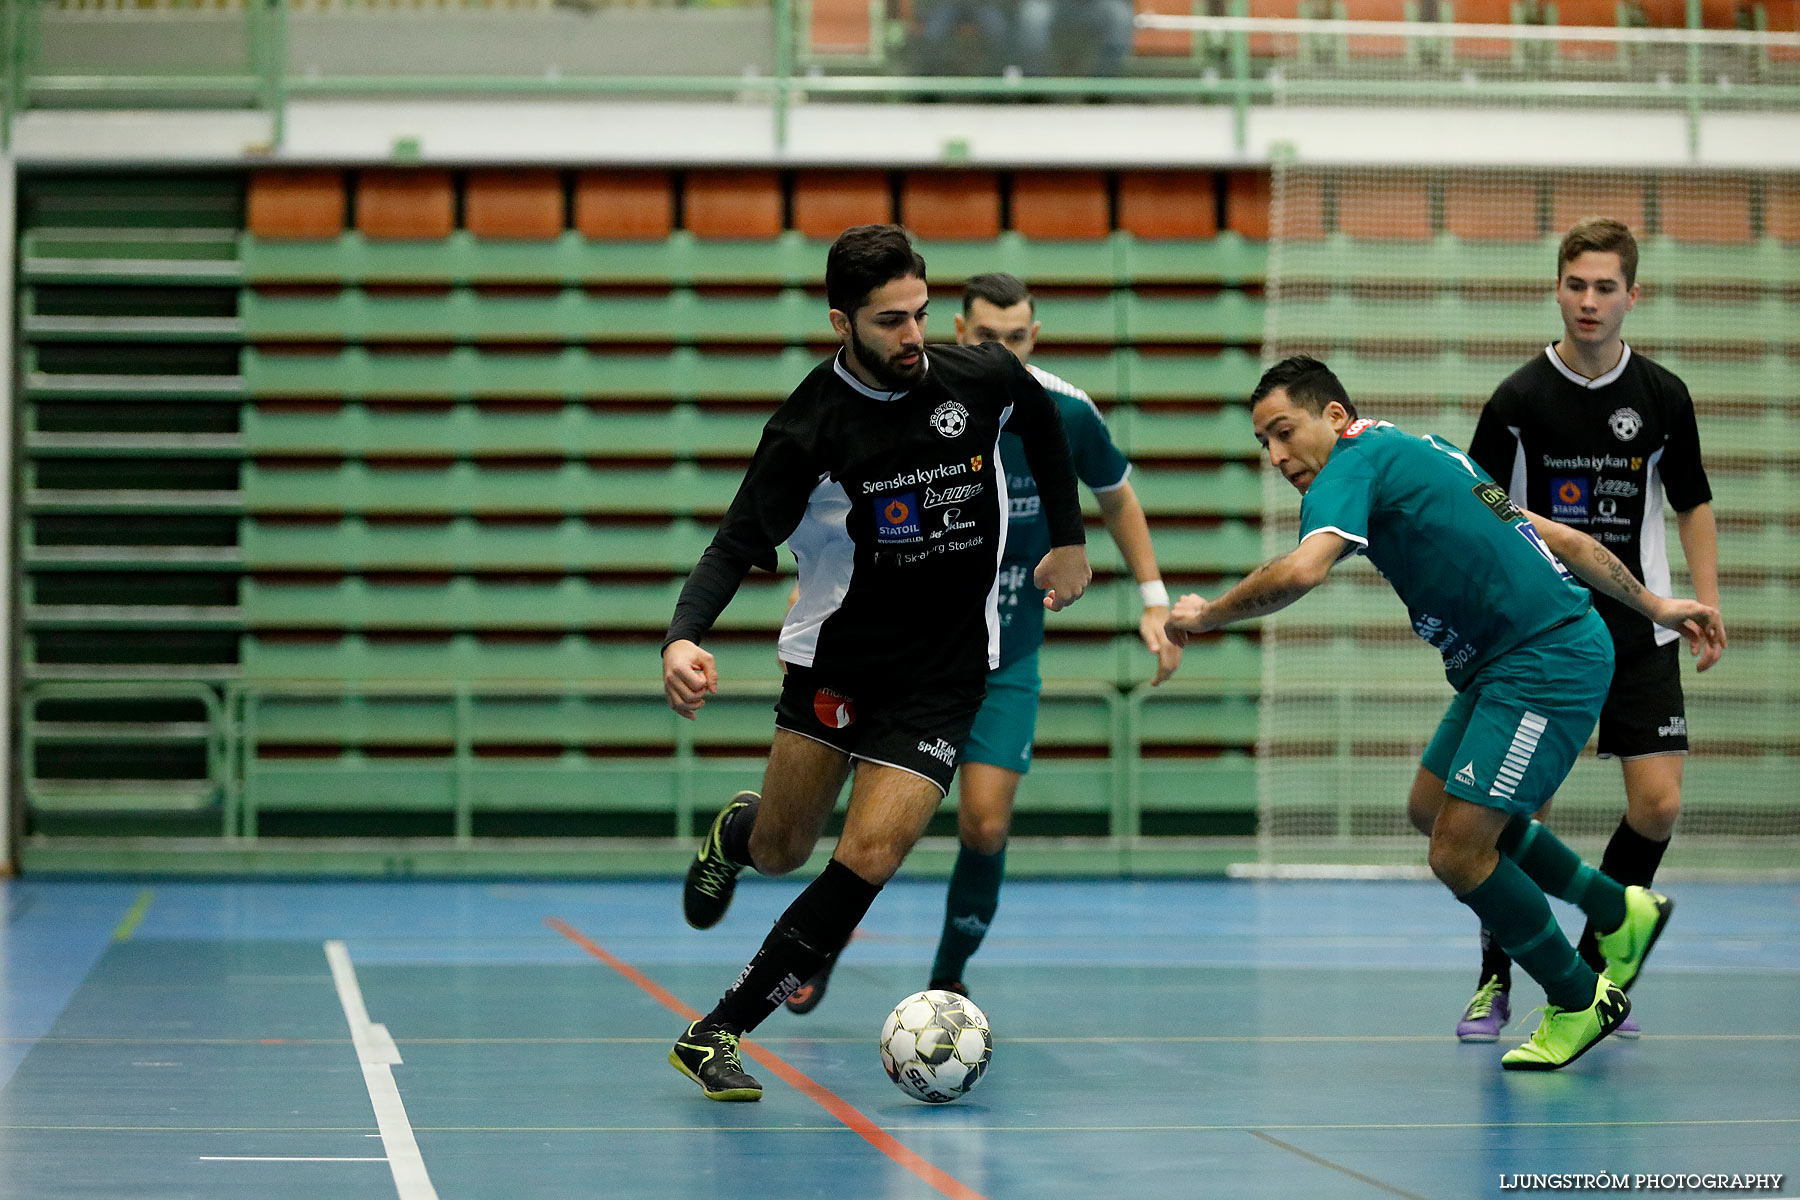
(1513, 908)
(968, 909)
(1560, 872)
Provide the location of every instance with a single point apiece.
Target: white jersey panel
(1515, 486)
(826, 557)
(993, 596)
(1653, 543)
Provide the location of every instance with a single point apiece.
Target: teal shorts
(1007, 723)
(1510, 738)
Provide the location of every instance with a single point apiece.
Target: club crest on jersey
(975, 462)
(1625, 423)
(834, 709)
(897, 518)
(950, 419)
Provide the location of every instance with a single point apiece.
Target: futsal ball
(936, 1046)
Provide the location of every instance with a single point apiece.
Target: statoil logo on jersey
(897, 518)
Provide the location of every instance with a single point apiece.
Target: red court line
(824, 1097)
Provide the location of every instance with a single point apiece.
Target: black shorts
(1644, 712)
(921, 731)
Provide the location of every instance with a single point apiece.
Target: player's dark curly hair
(862, 259)
(1308, 382)
(998, 289)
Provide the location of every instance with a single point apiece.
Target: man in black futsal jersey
(882, 474)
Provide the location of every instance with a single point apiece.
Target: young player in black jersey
(881, 473)
(1595, 436)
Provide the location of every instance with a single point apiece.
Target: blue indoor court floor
(1153, 1039)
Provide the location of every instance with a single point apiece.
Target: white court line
(376, 1052)
(279, 1158)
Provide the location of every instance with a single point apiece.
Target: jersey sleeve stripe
(1102, 489)
(1057, 383)
(1343, 533)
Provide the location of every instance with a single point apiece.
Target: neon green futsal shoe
(709, 1057)
(1626, 948)
(1564, 1035)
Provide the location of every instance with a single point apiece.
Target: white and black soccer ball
(936, 1046)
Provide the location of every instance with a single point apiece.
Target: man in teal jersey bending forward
(1485, 584)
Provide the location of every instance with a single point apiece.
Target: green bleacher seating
(653, 429)
(417, 509)
(491, 489)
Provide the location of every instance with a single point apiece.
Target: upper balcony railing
(1702, 56)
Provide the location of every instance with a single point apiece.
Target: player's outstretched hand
(1699, 624)
(689, 676)
(1063, 574)
(1187, 618)
(1151, 627)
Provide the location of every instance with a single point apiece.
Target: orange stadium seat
(1248, 207)
(1268, 45)
(1068, 205)
(1482, 12)
(1721, 14)
(1375, 10)
(828, 202)
(514, 204)
(1385, 210)
(1168, 204)
(1781, 210)
(840, 27)
(624, 205)
(733, 204)
(1492, 208)
(1666, 14)
(1602, 13)
(1573, 197)
(951, 205)
(1163, 43)
(1783, 17)
(1712, 209)
(405, 204)
(1247, 204)
(297, 204)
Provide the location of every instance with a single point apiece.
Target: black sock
(1495, 962)
(1630, 858)
(806, 937)
(734, 838)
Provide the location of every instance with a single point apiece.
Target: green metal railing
(216, 731)
(1226, 73)
(445, 731)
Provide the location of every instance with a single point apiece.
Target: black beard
(890, 376)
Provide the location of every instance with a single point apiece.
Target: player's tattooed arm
(1270, 588)
(1593, 563)
(1616, 574)
(1599, 568)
